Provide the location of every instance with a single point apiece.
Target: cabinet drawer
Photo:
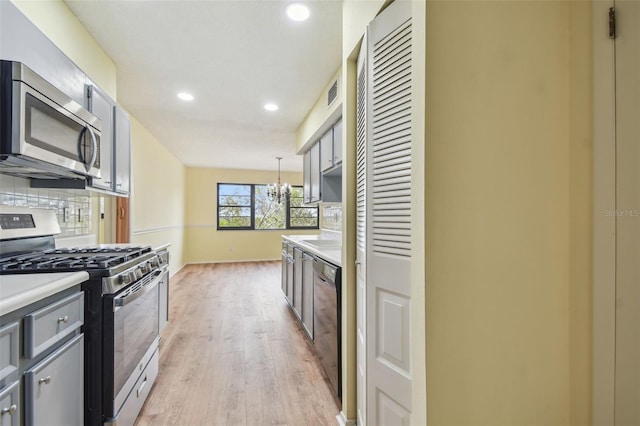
(52, 323)
(10, 405)
(54, 388)
(9, 349)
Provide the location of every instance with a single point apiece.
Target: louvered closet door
(361, 168)
(388, 206)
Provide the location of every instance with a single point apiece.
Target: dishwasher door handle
(324, 280)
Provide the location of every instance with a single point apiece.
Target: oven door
(131, 330)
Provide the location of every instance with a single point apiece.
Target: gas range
(56, 260)
(118, 266)
(121, 315)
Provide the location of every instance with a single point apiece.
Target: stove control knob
(154, 262)
(125, 279)
(138, 273)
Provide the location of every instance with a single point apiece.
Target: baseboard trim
(233, 261)
(172, 273)
(343, 421)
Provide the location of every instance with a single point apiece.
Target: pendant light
(278, 191)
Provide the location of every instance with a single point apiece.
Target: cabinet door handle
(64, 319)
(10, 410)
(45, 380)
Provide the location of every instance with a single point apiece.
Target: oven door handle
(124, 301)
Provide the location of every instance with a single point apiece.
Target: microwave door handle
(94, 154)
(80, 151)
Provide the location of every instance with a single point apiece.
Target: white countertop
(330, 253)
(19, 290)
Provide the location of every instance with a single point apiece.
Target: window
(248, 206)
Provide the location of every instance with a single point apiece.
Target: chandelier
(277, 191)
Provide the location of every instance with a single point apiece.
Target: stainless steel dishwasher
(327, 320)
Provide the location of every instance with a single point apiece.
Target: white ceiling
(233, 56)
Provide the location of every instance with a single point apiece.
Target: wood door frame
(604, 227)
(123, 226)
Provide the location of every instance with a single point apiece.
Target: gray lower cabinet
(283, 284)
(51, 324)
(163, 305)
(9, 349)
(54, 388)
(307, 294)
(297, 282)
(10, 405)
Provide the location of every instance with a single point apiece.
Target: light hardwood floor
(232, 354)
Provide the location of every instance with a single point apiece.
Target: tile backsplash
(332, 216)
(73, 207)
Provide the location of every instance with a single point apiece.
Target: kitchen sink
(324, 243)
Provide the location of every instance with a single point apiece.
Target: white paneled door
(627, 351)
(388, 217)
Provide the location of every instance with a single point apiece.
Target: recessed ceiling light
(297, 12)
(185, 96)
(271, 107)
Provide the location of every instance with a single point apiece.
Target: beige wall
(508, 232)
(320, 117)
(580, 204)
(55, 19)
(204, 243)
(157, 195)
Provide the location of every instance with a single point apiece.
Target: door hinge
(612, 23)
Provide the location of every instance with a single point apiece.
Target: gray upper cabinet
(311, 173)
(337, 143)
(322, 167)
(102, 107)
(115, 145)
(314, 168)
(122, 145)
(331, 147)
(326, 150)
(307, 177)
(22, 41)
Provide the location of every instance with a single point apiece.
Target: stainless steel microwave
(44, 133)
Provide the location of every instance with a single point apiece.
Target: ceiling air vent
(333, 93)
